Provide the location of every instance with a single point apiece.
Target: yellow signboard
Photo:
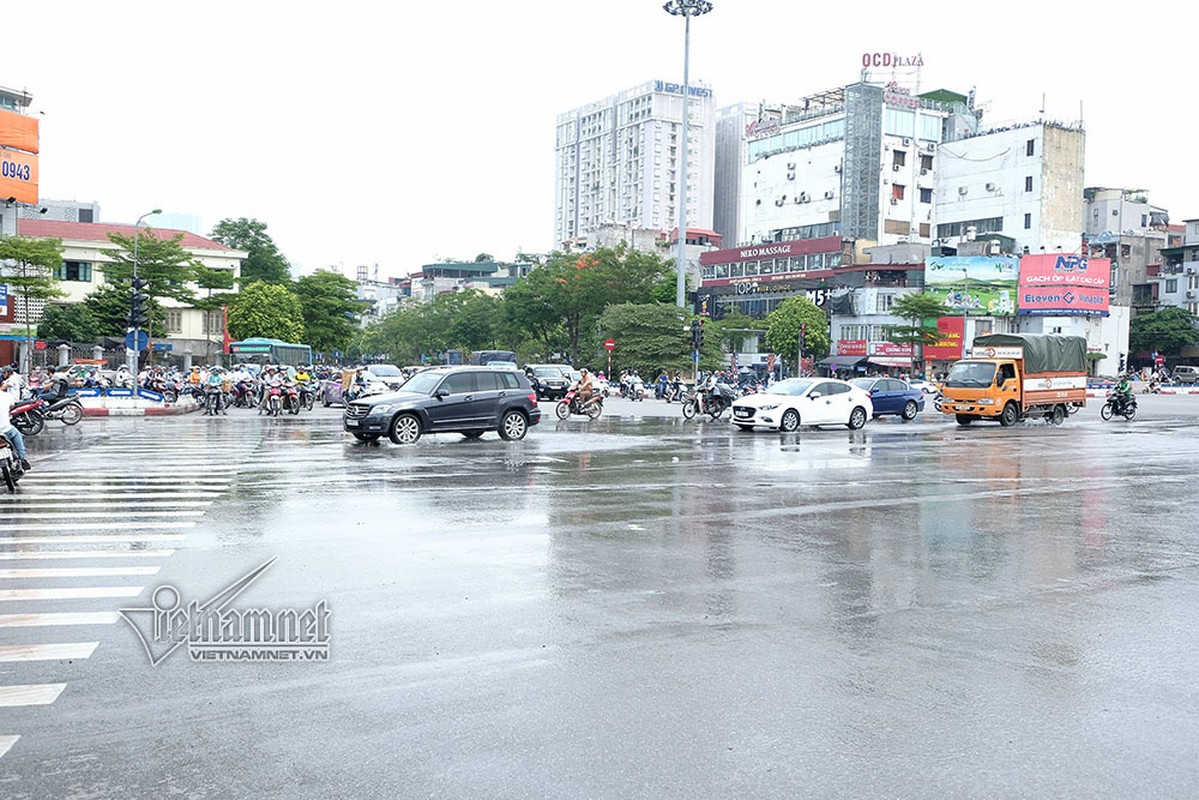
(18, 176)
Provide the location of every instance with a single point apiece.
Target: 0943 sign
(11, 169)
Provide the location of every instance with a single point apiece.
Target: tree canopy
(263, 261)
(923, 310)
(266, 310)
(782, 328)
(1166, 331)
(330, 306)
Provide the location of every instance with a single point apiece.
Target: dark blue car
(892, 396)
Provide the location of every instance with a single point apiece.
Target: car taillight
(533, 398)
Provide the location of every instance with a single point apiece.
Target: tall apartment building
(1123, 226)
(617, 161)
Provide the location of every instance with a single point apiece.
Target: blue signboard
(143, 340)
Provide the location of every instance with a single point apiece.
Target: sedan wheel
(790, 421)
(910, 410)
(405, 429)
(513, 426)
(857, 419)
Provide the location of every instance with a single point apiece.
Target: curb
(139, 412)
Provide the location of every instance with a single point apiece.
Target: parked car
(924, 386)
(331, 393)
(549, 380)
(795, 402)
(892, 396)
(388, 374)
(1185, 374)
(466, 400)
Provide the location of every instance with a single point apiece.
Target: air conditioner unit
(1190, 270)
(1190, 294)
(791, 165)
(923, 171)
(931, 146)
(828, 195)
(906, 142)
(894, 201)
(836, 168)
(790, 176)
(990, 187)
(803, 197)
(962, 190)
(895, 167)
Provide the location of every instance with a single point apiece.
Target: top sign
(677, 88)
(610, 344)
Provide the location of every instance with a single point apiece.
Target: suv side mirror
(441, 393)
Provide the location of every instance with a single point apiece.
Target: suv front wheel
(513, 426)
(405, 429)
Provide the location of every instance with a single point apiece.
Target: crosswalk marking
(31, 694)
(97, 526)
(6, 743)
(113, 538)
(82, 515)
(58, 618)
(41, 555)
(71, 593)
(62, 651)
(130, 503)
(77, 572)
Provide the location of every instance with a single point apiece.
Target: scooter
(10, 465)
(28, 416)
(67, 410)
(1125, 406)
(570, 404)
(212, 401)
(274, 398)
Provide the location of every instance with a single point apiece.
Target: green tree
(169, 269)
(650, 338)
(1166, 331)
(330, 305)
(782, 329)
(922, 310)
(27, 266)
(108, 305)
(267, 310)
(71, 322)
(263, 261)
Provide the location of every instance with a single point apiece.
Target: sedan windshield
(865, 384)
(791, 386)
(971, 375)
(385, 371)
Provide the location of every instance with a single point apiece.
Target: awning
(842, 361)
(891, 361)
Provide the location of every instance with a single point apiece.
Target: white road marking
(77, 572)
(109, 538)
(46, 652)
(40, 503)
(30, 694)
(82, 516)
(58, 618)
(97, 526)
(6, 743)
(71, 593)
(41, 555)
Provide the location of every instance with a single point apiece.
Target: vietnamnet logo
(1070, 264)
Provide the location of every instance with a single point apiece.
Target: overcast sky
(403, 133)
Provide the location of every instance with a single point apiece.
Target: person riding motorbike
(55, 387)
(9, 431)
(1122, 391)
(585, 389)
(214, 382)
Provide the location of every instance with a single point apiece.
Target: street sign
(39, 344)
(610, 344)
(143, 340)
(162, 346)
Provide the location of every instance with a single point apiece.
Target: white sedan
(788, 404)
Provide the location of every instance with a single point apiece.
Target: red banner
(949, 346)
(851, 347)
(890, 349)
(1053, 284)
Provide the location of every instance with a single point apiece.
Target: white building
(1178, 281)
(1121, 225)
(617, 161)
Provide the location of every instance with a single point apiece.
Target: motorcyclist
(584, 389)
(55, 387)
(214, 382)
(1123, 391)
(9, 431)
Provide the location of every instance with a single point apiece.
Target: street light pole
(131, 353)
(965, 308)
(685, 9)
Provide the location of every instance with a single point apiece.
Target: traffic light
(699, 335)
(1121, 369)
(803, 333)
(696, 334)
(138, 312)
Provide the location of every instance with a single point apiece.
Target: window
(1171, 285)
(488, 381)
(74, 271)
(461, 383)
(1030, 148)
(897, 191)
(926, 195)
(175, 321)
(1027, 221)
(899, 158)
(926, 162)
(885, 302)
(214, 322)
(1028, 183)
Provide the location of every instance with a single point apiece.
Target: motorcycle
(719, 399)
(307, 395)
(10, 466)
(28, 416)
(291, 398)
(675, 390)
(68, 410)
(570, 405)
(243, 395)
(212, 401)
(274, 398)
(1125, 406)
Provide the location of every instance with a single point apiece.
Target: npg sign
(1070, 264)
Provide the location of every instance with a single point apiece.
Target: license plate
(353, 423)
(742, 412)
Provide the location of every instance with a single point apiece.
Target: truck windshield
(971, 375)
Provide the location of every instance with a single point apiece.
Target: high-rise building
(617, 161)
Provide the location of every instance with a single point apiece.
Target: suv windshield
(547, 372)
(385, 371)
(971, 375)
(423, 382)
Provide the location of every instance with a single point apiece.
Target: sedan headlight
(380, 409)
(768, 407)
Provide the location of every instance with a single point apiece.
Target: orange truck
(1008, 377)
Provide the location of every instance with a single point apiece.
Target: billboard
(977, 285)
(19, 131)
(1057, 284)
(18, 176)
(950, 331)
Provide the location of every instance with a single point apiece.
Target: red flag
(225, 328)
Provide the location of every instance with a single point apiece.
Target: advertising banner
(19, 131)
(980, 285)
(890, 349)
(3, 299)
(1055, 284)
(949, 344)
(851, 347)
(18, 176)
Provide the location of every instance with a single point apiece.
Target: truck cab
(981, 388)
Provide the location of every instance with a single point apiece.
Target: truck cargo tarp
(1042, 352)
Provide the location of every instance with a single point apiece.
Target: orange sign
(18, 176)
(19, 131)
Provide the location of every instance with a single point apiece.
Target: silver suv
(1186, 374)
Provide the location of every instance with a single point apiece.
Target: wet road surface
(637, 606)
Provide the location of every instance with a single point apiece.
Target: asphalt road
(637, 606)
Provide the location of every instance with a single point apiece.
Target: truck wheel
(964, 419)
(1058, 415)
(1010, 415)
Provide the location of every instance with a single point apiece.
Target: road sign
(162, 346)
(143, 340)
(39, 344)
(610, 344)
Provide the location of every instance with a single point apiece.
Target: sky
(401, 134)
